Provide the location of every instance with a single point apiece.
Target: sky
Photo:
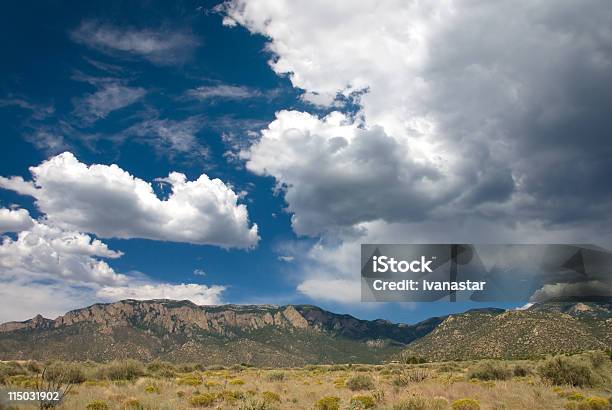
(241, 151)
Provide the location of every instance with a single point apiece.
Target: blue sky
(377, 127)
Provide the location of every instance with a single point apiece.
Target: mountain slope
(181, 331)
(541, 329)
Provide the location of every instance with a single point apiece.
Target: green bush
(360, 382)
(409, 359)
(270, 397)
(132, 404)
(328, 403)
(230, 396)
(364, 402)
(162, 369)
(10, 369)
(97, 405)
(562, 370)
(202, 400)
(190, 380)
(70, 373)
(490, 370)
(592, 403)
(521, 370)
(121, 370)
(465, 404)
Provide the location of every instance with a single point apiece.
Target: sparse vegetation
(425, 386)
(490, 370)
(360, 382)
(328, 403)
(465, 404)
(363, 402)
(583, 370)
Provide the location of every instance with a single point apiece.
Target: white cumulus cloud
(14, 220)
(108, 201)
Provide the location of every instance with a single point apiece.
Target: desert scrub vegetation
(362, 402)
(490, 370)
(465, 404)
(328, 403)
(360, 382)
(424, 386)
(588, 369)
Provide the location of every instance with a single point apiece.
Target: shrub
(202, 400)
(97, 405)
(270, 397)
(412, 403)
(575, 396)
(276, 376)
(21, 380)
(186, 368)
(521, 370)
(132, 404)
(328, 403)
(465, 404)
(365, 402)
(409, 359)
(597, 359)
(411, 376)
(490, 370)
(438, 403)
(152, 389)
(122, 370)
(191, 380)
(253, 404)
(230, 396)
(69, 373)
(211, 383)
(594, 403)
(360, 382)
(162, 369)
(562, 370)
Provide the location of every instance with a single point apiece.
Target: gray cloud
(477, 120)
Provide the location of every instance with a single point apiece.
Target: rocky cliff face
(181, 330)
(173, 316)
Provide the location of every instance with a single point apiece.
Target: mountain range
(295, 335)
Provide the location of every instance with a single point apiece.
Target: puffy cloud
(42, 252)
(198, 294)
(336, 174)
(158, 46)
(108, 201)
(63, 270)
(468, 119)
(14, 220)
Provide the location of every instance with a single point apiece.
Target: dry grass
(421, 387)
